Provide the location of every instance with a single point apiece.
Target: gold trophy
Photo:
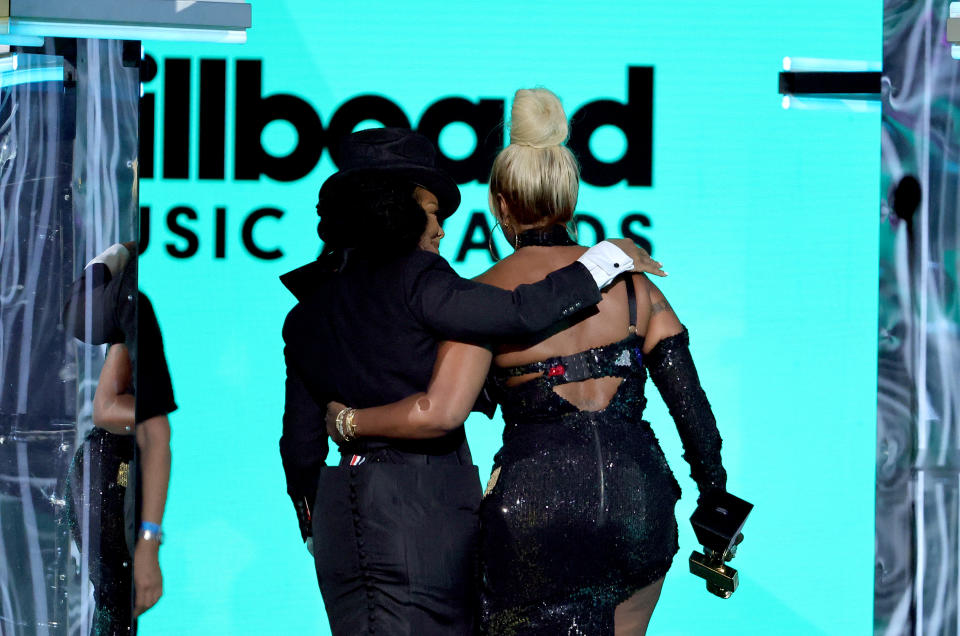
(717, 522)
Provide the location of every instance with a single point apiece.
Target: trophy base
(722, 580)
(718, 591)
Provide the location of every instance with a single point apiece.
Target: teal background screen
(764, 217)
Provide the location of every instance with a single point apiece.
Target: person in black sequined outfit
(577, 523)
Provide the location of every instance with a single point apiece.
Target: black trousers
(395, 547)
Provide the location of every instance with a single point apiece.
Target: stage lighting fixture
(26, 22)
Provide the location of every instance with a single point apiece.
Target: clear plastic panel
(917, 584)
(68, 174)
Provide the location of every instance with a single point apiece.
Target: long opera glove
(673, 372)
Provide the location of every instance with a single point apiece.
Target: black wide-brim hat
(395, 151)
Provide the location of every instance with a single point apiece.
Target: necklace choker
(545, 237)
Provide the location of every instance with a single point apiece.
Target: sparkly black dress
(579, 512)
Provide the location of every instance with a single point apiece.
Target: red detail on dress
(555, 370)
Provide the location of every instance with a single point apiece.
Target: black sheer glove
(673, 372)
(303, 516)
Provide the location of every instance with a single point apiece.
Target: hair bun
(537, 119)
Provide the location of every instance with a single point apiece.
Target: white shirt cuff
(606, 261)
(114, 257)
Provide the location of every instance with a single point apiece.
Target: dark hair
(375, 213)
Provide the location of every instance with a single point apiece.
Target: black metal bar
(858, 84)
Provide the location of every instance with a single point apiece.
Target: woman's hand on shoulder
(642, 261)
(333, 409)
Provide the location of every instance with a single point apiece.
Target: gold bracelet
(340, 417)
(350, 423)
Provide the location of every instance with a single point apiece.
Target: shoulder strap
(632, 303)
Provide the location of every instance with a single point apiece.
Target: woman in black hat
(394, 527)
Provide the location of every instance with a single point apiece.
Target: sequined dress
(109, 501)
(579, 512)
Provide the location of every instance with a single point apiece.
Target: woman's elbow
(105, 418)
(441, 416)
(101, 408)
(98, 419)
(451, 421)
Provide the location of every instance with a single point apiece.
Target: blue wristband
(150, 527)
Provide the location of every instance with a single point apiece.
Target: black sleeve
(102, 308)
(154, 389)
(89, 314)
(303, 444)
(461, 309)
(672, 370)
(485, 403)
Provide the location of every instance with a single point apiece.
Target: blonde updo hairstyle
(537, 175)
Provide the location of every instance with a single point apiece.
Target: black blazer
(368, 335)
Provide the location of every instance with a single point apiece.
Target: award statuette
(717, 522)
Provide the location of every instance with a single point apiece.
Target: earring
(494, 254)
(516, 235)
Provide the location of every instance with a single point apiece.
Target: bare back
(610, 323)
